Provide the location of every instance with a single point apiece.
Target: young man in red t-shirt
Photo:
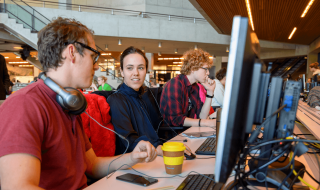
(41, 144)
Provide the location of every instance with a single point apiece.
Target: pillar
(64, 7)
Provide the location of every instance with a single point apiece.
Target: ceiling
(273, 19)
(168, 47)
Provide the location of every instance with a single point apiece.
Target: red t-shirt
(33, 122)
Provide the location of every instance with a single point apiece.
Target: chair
(152, 99)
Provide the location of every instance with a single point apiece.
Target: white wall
(137, 27)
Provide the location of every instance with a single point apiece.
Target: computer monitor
(241, 88)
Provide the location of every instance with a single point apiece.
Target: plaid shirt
(180, 99)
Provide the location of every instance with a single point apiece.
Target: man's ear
(71, 50)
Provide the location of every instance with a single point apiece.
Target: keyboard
(199, 182)
(208, 147)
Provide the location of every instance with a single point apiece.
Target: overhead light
(106, 47)
(106, 54)
(307, 8)
(160, 58)
(159, 53)
(227, 50)
(17, 57)
(17, 47)
(142, 49)
(19, 62)
(119, 42)
(195, 47)
(249, 14)
(293, 31)
(176, 50)
(6, 57)
(159, 45)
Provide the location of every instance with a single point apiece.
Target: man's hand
(209, 85)
(143, 152)
(159, 150)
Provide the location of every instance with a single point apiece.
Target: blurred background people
(102, 82)
(217, 100)
(4, 78)
(314, 68)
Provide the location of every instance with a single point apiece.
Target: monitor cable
(178, 175)
(116, 134)
(256, 132)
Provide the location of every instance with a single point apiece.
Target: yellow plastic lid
(173, 146)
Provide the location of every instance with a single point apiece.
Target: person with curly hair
(180, 103)
(220, 80)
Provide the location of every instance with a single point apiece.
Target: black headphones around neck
(68, 98)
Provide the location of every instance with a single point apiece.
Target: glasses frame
(95, 59)
(207, 69)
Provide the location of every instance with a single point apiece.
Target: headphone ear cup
(82, 108)
(74, 102)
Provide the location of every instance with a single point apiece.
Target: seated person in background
(103, 86)
(180, 103)
(34, 80)
(217, 100)
(129, 113)
(314, 68)
(42, 145)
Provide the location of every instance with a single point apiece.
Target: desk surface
(156, 168)
(203, 166)
(309, 160)
(310, 118)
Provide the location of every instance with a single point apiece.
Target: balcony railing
(113, 11)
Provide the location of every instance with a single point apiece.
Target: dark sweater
(130, 118)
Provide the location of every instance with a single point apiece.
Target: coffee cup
(173, 156)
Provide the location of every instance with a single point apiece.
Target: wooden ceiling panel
(273, 19)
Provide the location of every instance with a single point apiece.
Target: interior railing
(113, 11)
(25, 14)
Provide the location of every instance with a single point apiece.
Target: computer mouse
(189, 157)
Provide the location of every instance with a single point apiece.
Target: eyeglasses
(96, 58)
(207, 69)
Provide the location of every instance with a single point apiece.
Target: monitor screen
(244, 52)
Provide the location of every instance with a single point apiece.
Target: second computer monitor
(244, 51)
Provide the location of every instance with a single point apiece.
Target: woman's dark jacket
(130, 118)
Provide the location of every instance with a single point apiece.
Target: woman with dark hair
(217, 100)
(129, 112)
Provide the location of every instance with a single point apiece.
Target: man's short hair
(314, 65)
(194, 59)
(55, 37)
